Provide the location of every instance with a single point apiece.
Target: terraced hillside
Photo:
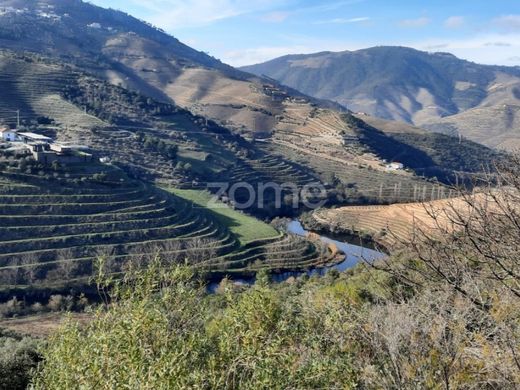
(362, 184)
(137, 131)
(34, 87)
(495, 126)
(310, 144)
(436, 91)
(394, 226)
(54, 225)
(262, 246)
(311, 139)
(429, 154)
(61, 232)
(127, 52)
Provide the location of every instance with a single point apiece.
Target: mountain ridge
(399, 83)
(127, 53)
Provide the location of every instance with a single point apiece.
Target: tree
(173, 339)
(459, 293)
(32, 270)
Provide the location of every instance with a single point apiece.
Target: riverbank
(393, 226)
(353, 255)
(341, 232)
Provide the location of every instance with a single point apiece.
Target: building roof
(35, 137)
(6, 130)
(396, 165)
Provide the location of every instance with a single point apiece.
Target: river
(354, 254)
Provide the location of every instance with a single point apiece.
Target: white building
(8, 135)
(395, 166)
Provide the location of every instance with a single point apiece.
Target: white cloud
(177, 14)
(415, 23)
(334, 5)
(508, 22)
(503, 44)
(343, 20)
(275, 17)
(454, 22)
(492, 49)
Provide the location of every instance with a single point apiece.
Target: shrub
(18, 357)
(170, 338)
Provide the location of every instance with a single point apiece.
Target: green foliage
(18, 357)
(161, 333)
(112, 103)
(353, 330)
(164, 148)
(245, 227)
(148, 339)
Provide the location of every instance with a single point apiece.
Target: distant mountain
(86, 51)
(434, 90)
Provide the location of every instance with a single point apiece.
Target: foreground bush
(352, 331)
(164, 332)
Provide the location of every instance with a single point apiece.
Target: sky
(244, 32)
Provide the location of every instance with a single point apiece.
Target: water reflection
(354, 254)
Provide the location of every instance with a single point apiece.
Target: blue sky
(242, 32)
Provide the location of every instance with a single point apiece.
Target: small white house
(395, 166)
(8, 135)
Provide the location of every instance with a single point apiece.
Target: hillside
(396, 226)
(170, 119)
(55, 223)
(135, 55)
(129, 53)
(495, 126)
(84, 109)
(435, 90)
(391, 226)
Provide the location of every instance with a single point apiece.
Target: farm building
(395, 166)
(48, 153)
(8, 135)
(33, 137)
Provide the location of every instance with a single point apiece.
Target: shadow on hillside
(432, 155)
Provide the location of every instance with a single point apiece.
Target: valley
(337, 220)
(169, 122)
